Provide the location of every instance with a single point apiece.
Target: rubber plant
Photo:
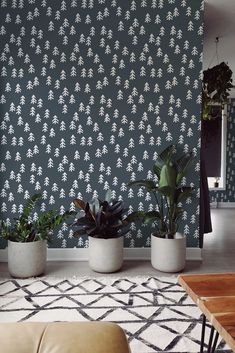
(101, 219)
(24, 229)
(168, 193)
(216, 87)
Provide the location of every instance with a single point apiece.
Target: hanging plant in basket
(216, 86)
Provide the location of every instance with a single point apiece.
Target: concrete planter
(105, 255)
(168, 255)
(27, 259)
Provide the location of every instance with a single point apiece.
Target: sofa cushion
(62, 337)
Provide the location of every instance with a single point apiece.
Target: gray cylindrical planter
(27, 259)
(168, 255)
(105, 255)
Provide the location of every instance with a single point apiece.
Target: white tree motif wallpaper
(91, 92)
(228, 195)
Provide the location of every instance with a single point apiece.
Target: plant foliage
(169, 193)
(25, 229)
(101, 219)
(216, 86)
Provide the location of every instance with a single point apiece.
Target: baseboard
(226, 204)
(216, 204)
(75, 254)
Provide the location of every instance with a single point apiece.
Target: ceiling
(219, 19)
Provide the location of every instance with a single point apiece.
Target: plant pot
(105, 255)
(27, 259)
(168, 255)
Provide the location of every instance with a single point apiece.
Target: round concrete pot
(27, 259)
(105, 255)
(168, 255)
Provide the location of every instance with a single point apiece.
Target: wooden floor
(218, 255)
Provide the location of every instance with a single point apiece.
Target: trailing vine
(216, 86)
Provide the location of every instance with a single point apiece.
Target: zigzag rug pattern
(155, 313)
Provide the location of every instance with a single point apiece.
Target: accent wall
(91, 92)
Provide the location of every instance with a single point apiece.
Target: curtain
(211, 143)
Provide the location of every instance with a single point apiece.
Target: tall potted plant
(27, 239)
(168, 246)
(104, 223)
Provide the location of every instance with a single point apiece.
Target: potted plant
(27, 239)
(216, 87)
(104, 223)
(168, 246)
(216, 182)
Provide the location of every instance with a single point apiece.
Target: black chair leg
(215, 342)
(212, 343)
(203, 333)
(210, 339)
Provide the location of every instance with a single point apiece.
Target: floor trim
(226, 204)
(215, 204)
(75, 254)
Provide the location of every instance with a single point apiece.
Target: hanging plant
(216, 86)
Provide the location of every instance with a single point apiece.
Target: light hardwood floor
(218, 255)
(219, 247)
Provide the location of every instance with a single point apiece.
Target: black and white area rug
(155, 313)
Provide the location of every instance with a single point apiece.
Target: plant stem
(168, 214)
(160, 210)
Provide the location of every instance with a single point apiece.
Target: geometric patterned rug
(155, 313)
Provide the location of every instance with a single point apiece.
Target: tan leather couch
(62, 337)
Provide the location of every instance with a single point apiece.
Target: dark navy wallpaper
(91, 92)
(228, 195)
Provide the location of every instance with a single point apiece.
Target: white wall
(219, 19)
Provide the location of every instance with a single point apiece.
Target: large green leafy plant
(101, 219)
(24, 229)
(168, 193)
(216, 87)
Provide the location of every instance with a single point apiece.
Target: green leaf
(148, 184)
(167, 176)
(183, 193)
(183, 165)
(178, 212)
(157, 167)
(166, 155)
(135, 216)
(29, 207)
(163, 159)
(151, 217)
(166, 191)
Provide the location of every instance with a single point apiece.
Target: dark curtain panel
(205, 225)
(211, 143)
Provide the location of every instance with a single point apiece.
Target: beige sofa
(62, 337)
